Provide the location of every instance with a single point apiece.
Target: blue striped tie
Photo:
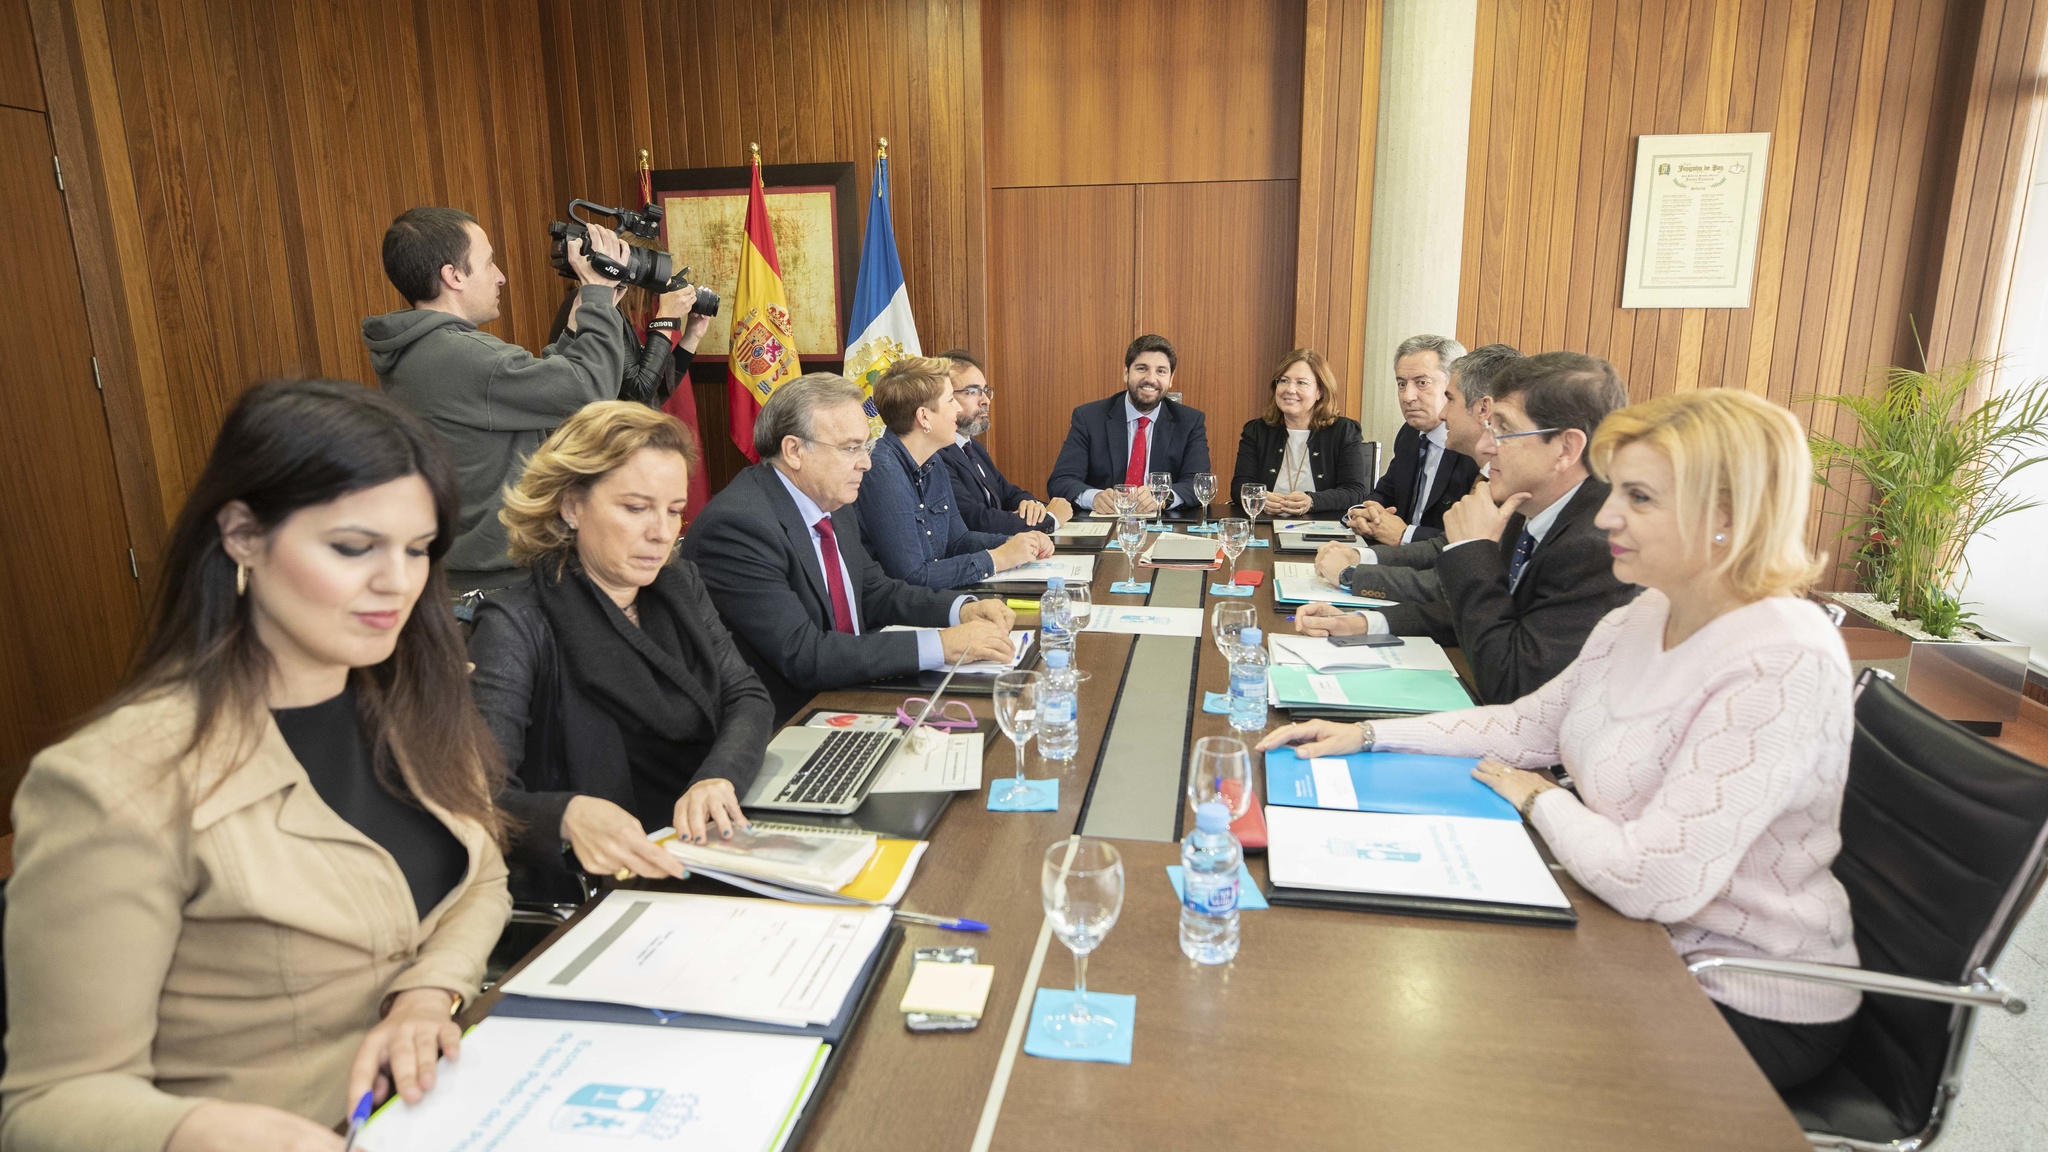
(1520, 559)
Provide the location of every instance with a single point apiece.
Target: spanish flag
(763, 346)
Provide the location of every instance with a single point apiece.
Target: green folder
(1382, 690)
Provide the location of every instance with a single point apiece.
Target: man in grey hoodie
(492, 402)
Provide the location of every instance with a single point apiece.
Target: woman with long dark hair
(260, 880)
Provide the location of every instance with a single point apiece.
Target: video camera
(645, 267)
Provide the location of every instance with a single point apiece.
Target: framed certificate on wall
(1694, 220)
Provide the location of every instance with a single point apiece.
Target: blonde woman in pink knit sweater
(1706, 725)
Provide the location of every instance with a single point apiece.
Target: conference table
(1332, 1029)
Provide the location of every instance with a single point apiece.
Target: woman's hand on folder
(607, 838)
(403, 1051)
(1312, 738)
(708, 806)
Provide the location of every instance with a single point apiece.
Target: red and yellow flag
(763, 347)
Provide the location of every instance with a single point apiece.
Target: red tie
(1135, 474)
(842, 609)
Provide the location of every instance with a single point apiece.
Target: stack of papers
(1385, 690)
(762, 960)
(577, 1086)
(1296, 582)
(1078, 569)
(1318, 654)
(1020, 643)
(1178, 550)
(804, 856)
(1083, 530)
(1456, 858)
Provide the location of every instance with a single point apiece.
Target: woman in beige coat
(261, 879)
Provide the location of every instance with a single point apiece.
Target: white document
(1179, 548)
(747, 959)
(1295, 581)
(1449, 857)
(1077, 568)
(1084, 529)
(1020, 646)
(949, 762)
(1317, 653)
(579, 1086)
(1334, 786)
(1310, 526)
(1144, 620)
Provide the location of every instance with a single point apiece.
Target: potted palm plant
(1930, 470)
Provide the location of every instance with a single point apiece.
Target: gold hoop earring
(241, 580)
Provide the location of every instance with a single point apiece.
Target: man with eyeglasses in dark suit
(985, 498)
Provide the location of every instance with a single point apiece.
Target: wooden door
(69, 602)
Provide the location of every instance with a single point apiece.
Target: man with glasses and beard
(986, 499)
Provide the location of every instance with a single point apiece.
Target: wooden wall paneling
(1340, 120)
(21, 82)
(1052, 244)
(1143, 91)
(1229, 330)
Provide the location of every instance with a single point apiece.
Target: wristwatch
(1365, 736)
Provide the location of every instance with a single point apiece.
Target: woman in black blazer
(1311, 460)
(614, 690)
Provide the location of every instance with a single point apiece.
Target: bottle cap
(1056, 584)
(1251, 637)
(1213, 816)
(1056, 658)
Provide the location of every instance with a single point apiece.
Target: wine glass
(1082, 886)
(1016, 699)
(1122, 499)
(1220, 768)
(1080, 606)
(1253, 497)
(1228, 619)
(1130, 533)
(1235, 535)
(1161, 486)
(1205, 491)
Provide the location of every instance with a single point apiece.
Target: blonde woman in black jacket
(1311, 460)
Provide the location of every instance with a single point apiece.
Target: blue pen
(356, 1120)
(956, 925)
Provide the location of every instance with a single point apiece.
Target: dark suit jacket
(1098, 448)
(1336, 458)
(985, 497)
(1515, 642)
(1404, 572)
(1455, 475)
(756, 557)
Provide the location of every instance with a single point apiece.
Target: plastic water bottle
(1056, 619)
(1248, 682)
(1059, 708)
(1209, 860)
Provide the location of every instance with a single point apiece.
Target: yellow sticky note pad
(948, 989)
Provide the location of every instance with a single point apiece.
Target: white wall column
(1418, 190)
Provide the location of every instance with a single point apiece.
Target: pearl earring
(1720, 537)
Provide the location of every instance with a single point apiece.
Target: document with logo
(578, 1086)
(1145, 620)
(680, 952)
(1461, 858)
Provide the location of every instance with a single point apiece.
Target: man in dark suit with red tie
(1135, 432)
(984, 497)
(1424, 477)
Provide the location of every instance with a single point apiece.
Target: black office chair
(1942, 836)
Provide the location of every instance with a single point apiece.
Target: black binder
(1439, 907)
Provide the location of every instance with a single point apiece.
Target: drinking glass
(1229, 618)
(1082, 886)
(1016, 698)
(1205, 491)
(1080, 606)
(1161, 485)
(1221, 768)
(1253, 497)
(1130, 533)
(1122, 499)
(1235, 535)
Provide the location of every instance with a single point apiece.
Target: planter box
(1976, 683)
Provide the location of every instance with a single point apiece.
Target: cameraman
(492, 402)
(653, 368)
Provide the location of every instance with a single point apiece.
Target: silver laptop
(828, 771)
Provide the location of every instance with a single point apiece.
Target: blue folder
(1390, 782)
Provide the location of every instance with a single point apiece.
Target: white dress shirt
(1436, 438)
(1131, 415)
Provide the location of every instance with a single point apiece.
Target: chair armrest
(547, 914)
(1984, 990)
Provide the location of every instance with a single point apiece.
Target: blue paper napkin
(1044, 795)
(1217, 702)
(1230, 590)
(1133, 589)
(1205, 529)
(1255, 542)
(1156, 527)
(1249, 898)
(1040, 1041)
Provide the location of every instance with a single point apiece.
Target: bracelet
(1529, 801)
(1365, 736)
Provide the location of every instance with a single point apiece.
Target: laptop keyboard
(839, 768)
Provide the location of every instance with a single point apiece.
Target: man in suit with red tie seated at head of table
(1122, 439)
(907, 506)
(1408, 571)
(1526, 573)
(780, 549)
(1425, 475)
(986, 499)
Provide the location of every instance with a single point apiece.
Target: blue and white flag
(883, 329)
